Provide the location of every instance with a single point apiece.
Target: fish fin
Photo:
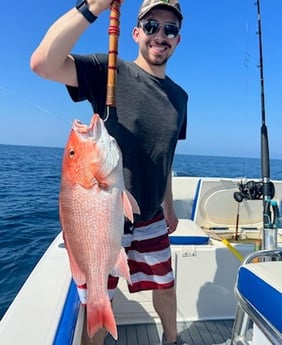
(121, 268)
(77, 274)
(130, 205)
(101, 316)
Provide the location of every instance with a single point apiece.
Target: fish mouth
(94, 131)
(96, 127)
(80, 129)
(106, 152)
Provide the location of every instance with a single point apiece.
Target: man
(151, 117)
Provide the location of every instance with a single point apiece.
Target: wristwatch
(82, 7)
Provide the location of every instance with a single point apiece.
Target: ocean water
(29, 189)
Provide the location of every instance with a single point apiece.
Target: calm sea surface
(29, 188)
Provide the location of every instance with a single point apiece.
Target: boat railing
(265, 255)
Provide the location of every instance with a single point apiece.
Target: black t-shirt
(151, 115)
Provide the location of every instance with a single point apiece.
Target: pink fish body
(93, 202)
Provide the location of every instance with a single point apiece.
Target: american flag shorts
(149, 260)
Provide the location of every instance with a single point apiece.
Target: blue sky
(216, 63)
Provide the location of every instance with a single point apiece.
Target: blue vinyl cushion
(261, 285)
(188, 233)
(182, 240)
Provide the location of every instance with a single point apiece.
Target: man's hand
(98, 6)
(170, 217)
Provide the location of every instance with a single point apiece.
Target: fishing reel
(250, 190)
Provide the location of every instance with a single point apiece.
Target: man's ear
(135, 34)
(179, 39)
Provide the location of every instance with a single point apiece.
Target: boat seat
(260, 285)
(188, 233)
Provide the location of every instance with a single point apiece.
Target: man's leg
(164, 302)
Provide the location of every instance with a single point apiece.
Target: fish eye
(71, 153)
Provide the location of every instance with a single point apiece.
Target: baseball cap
(148, 5)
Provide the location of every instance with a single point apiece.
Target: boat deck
(194, 333)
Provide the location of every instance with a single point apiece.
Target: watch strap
(82, 7)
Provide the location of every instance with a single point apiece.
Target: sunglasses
(151, 27)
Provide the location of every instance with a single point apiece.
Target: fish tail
(101, 316)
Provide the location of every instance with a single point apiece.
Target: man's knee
(164, 292)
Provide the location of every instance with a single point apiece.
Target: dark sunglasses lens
(151, 27)
(171, 30)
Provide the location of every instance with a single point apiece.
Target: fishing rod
(270, 208)
(264, 189)
(113, 31)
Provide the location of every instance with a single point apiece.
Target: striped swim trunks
(149, 260)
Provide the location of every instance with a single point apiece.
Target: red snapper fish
(93, 203)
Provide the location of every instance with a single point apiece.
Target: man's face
(157, 36)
